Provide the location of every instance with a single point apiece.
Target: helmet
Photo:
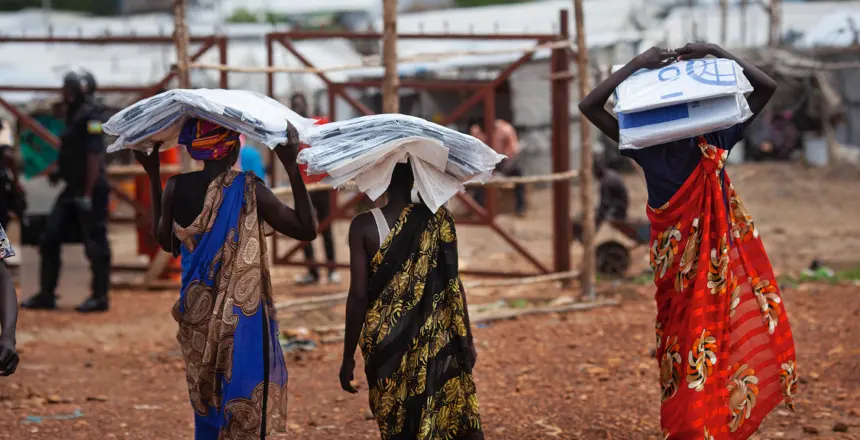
(80, 81)
(90, 80)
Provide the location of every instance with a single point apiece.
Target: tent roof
(797, 16)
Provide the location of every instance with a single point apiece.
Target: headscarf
(205, 140)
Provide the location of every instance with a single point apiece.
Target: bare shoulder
(170, 186)
(361, 225)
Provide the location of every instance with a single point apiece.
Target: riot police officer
(82, 207)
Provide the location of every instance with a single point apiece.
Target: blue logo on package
(708, 72)
(656, 116)
(703, 71)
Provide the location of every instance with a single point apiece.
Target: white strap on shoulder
(381, 225)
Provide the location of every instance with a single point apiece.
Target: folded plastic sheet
(681, 82)
(681, 121)
(366, 149)
(340, 143)
(160, 118)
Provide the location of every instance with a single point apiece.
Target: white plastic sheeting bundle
(681, 100)
(366, 149)
(161, 117)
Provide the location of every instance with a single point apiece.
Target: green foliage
(276, 18)
(519, 303)
(841, 277)
(242, 15)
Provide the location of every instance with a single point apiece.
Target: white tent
(841, 28)
(798, 17)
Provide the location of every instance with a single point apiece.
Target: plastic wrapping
(366, 150)
(160, 118)
(681, 121)
(681, 82)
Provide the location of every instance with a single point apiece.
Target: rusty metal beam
(310, 34)
(102, 89)
(477, 209)
(418, 84)
(119, 39)
(142, 213)
(491, 87)
(40, 131)
(153, 89)
(339, 90)
(324, 226)
(471, 272)
(33, 125)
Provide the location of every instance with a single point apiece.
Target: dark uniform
(75, 214)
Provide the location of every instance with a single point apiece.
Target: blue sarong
(228, 330)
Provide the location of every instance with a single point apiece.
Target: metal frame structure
(482, 93)
(142, 213)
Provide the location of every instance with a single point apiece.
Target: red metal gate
(481, 92)
(142, 213)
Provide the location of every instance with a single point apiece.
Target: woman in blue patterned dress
(228, 331)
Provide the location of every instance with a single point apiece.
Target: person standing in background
(322, 205)
(12, 197)
(505, 141)
(250, 159)
(8, 311)
(83, 203)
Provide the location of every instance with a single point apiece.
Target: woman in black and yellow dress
(407, 309)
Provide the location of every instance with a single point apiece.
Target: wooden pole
(391, 81)
(775, 11)
(161, 261)
(693, 30)
(560, 93)
(181, 39)
(588, 260)
(724, 12)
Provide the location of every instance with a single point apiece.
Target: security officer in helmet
(82, 207)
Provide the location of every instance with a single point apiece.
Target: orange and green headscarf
(205, 140)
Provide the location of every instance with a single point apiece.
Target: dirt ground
(580, 375)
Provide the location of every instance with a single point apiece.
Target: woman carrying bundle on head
(407, 310)
(228, 330)
(724, 345)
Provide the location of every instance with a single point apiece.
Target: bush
(242, 15)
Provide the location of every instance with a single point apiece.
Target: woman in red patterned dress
(724, 345)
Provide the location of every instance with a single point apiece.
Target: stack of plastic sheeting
(682, 100)
(366, 149)
(161, 117)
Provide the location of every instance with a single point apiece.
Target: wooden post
(224, 80)
(181, 39)
(491, 195)
(724, 12)
(391, 81)
(693, 30)
(830, 135)
(560, 92)
(744, 22)
(586, 159)
(162, 260)
(775, 12)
